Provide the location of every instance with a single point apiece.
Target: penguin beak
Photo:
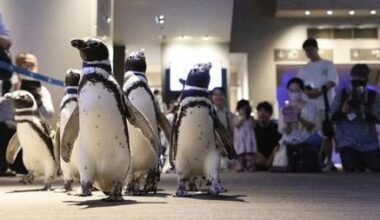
(78, 43)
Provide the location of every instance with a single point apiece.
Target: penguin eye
(93, 44)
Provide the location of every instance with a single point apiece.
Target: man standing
(319, 75)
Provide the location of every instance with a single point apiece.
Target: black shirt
(267, 138)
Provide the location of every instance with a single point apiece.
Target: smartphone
(290, 114)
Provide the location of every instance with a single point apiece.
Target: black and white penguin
(101, 115)
(145, 164)
(69, 102)
(195, 133)
(35, 137)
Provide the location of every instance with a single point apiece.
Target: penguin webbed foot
(181, 190)
(133, 189)
(67, 185)
(27, 179)
(151, 183)
(86, 189)
(116, 193)
(47, 187)
(216, 188)
(114, 198)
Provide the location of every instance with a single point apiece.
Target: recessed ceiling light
(351, 12)
(307, 13)
(329, 12)
(373, 12)
(160, 19)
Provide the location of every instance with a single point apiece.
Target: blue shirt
(357, 133)
(3, 31)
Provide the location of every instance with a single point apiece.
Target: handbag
(302, 158)
(280, 160)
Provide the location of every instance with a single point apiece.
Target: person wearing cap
(355, 112)
(319, 74)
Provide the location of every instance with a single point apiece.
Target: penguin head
(72, 77)
(199, 75)
(91, 49)
(136, 61)
(22, 99)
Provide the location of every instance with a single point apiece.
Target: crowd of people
(314, 121)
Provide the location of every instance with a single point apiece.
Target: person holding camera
(298, 126)
(42, 95)
(319, 76)
(355, 112)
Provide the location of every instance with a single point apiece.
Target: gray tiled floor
(251, 196)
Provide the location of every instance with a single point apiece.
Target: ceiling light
(373, 12)
(351, 12)
(307, 13)
(206, 38)
(160, 19)
(329, 12)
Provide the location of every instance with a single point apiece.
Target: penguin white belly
(143, 159)
(69, 170)
(195, 141)
(104, 152)
(36, 156)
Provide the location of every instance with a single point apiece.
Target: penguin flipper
(173, 142)
(224, 139)
(137, 119)
(57, 143)
(13, 149)
(70, 134)
(164, 124)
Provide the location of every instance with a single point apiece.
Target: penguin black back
(72, 78)
(199, 76)
(135, 62)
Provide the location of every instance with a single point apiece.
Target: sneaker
(329, 166)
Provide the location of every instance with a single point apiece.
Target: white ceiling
(135, 26)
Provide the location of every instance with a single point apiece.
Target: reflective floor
(251, 196)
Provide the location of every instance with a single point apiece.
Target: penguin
(196, 130)
(40, 157)
(69, 102)
(101, 115)
(145, 164)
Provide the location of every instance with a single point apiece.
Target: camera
(357, 96)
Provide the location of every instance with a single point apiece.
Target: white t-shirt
(316, 74)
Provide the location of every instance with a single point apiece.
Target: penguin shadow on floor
(204, 195)
(99, 203)
(160, 194)
(31, 190)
